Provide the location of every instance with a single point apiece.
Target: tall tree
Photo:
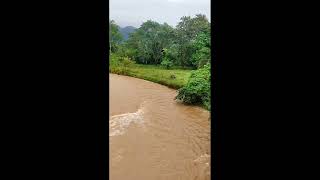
(202, 47)
(149, 41)
(115, 36)
(186, 45)
(187, 31)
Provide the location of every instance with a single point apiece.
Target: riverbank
(174, 78)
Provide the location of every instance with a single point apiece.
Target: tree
(149, 40)
(166, 60)
(115, 36)
(201, 45)
(187, 31)
(187, 45)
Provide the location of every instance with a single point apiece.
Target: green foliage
(149, 40)
(187, 32)
(187, 46)
(167, 63)
(115, 36)
(166, 60)
(154, 73)
(120, 65)
(182, 42)
(202, 53)
(197, 90)
(127, 62)
(126, 31)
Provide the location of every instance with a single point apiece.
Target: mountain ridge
(125, 31)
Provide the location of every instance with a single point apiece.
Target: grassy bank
(174, 78)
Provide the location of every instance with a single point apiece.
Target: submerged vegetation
(177, 57)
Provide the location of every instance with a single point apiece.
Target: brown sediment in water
(152, 137)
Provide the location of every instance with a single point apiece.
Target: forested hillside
(126, 31)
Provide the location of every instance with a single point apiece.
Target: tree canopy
(187, 45)
(115, 36)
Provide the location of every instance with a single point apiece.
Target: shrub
(167, 62)
(120, 65)
(197, 90)
(127, 62)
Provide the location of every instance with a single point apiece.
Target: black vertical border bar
(103, 125)
(107, 73)
(216, 95)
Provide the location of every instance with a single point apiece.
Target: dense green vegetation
(126, 31)
(166, 55)
(197, 90)
(173, 78)
(115, 37)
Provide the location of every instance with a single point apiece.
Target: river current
(153, 137)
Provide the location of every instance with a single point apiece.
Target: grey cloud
(134, 12)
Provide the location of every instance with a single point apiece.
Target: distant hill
(126, 31)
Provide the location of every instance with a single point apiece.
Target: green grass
(154, 73)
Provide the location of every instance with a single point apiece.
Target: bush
(197, 90)
(201, 57)
(127, 62)
(120, 65)
(167, 63)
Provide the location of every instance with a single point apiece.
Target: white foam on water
(119, 123)
(203, 158)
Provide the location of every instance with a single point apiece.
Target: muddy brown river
(153, 137)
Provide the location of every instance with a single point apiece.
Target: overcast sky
(135, 12)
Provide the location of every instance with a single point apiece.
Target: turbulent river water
(153, 137)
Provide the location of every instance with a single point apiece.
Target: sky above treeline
(135, 12)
